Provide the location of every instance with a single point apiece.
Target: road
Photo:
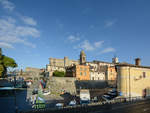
(140, 107)
(7, 103)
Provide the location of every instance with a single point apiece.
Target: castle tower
(0, 53)
(115, 60)
(82, 57)
(66, 61)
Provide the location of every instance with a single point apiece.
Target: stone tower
(115, 60)
(82, 57)
(0, 53)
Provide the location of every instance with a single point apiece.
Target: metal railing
(88, 107)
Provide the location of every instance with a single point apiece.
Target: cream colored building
(59, 64)
(97, 75)
(99, 70)
(133, 80)
(62, 62)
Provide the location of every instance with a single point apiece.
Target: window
(85, 69)
(85, 73)
(144, 74)
(80, 68)
(80, 73)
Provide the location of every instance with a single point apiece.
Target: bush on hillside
(59, 73)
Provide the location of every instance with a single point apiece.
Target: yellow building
(133, 80)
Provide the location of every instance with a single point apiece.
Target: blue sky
(31, 31)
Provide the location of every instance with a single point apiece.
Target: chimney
(137, 61)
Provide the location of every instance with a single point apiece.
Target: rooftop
(131, 65)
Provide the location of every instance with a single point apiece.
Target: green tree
(6, 62)
(59, 73)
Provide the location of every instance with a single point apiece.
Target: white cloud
(11, 33)
(107, 50)
(98, 44)
(29, 20)
(27, 31)
(109, 23)
(85, 45)
(73, 38)
(5, 45)
(7, 5)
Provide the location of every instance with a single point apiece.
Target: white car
(46, 92)
(28, 83)
(59, 105)
(72, 103)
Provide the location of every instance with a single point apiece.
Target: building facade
(80, 72)
(100, 70)
(59, 64)
(82, 58)
(112, 75)
(133, 80)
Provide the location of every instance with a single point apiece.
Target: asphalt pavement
(139, 107)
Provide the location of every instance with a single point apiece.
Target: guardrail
(41, 107)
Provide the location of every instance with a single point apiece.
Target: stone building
(133, 80)
(62, 62)
(98, 70)
(82, 58)
(81, 71)
(31, 72)
(59, 64)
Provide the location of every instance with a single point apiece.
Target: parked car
(106, 97)
(28, 83)
(72, 103)
(46, 92)
(59, 105)
(84, 97)
(112, 94)
(95, 99)
(35, 91)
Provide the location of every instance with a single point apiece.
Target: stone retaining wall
(70, 84)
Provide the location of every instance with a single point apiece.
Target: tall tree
(5, 62)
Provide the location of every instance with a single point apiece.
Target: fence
(90, 107)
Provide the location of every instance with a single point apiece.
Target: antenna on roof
(115, 59)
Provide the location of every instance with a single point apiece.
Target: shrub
(59, 73)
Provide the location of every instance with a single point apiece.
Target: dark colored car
(35, 91)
